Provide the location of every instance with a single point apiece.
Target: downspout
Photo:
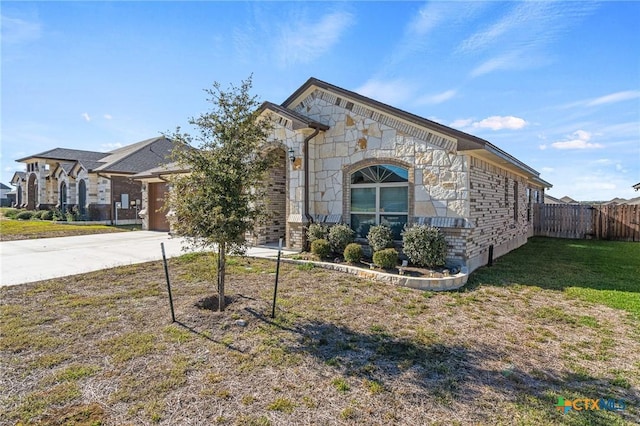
(306, 176)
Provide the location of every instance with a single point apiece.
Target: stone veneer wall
(357, 134)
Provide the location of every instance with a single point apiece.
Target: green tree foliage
(221, 199)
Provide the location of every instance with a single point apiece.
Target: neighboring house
(548, 199)
(4, 195)
(92, 183)
(569, 200)
(348, 158)
(19, 182)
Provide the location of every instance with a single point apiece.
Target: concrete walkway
(27, 261)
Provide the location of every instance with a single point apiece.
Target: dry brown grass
(100, 348)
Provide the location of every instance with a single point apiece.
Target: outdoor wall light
(292, 156)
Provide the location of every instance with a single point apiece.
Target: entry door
(157, 217)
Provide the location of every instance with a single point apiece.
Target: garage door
(157, 216)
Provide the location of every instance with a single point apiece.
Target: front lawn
(100, 348)
(11, 230)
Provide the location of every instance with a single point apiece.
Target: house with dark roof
(344, 157)
(4, 195)
(98, 185)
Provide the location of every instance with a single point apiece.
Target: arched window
(63, 197)
(379, 195)
(82, 197)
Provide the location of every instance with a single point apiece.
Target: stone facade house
(98, 185)
(348, 158)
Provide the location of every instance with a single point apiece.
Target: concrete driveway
(34, 260)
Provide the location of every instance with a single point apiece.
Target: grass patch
(603, 272)
(27, 229)
(127, 346)
(282, 404)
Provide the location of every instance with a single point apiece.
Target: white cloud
(86, 116)
(16, 30)
(111, 146)
(495, 122)
(547, 169)
(615, 97)
(517, 38)
(392, 92)
(305, 41)
(461, 123)
(542, 147)
(603, 161)
(502, 62)
(107, 116)
(578, 140)
(437, 98)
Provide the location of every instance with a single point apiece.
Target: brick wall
(276, 204)
(498, 214)
(124, 185)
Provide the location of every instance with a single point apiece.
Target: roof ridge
(142, 144)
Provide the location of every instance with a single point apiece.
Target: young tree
(221, 199)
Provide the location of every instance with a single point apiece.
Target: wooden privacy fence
(602, 222)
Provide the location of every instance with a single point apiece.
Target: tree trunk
(221, 273)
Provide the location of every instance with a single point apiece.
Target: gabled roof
(137, 157)
(3, 186)
(298, 121)
(17, 177)
(548, 199)
(66, 154)
(636, 186)
(465, 141)
(568, 200)
(65, 166)
(129, 159)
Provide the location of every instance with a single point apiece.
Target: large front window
(379, 195)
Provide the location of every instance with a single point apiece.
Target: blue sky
(556, 84)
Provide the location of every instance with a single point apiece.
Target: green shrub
(25, 215)
(340, 236)
(380, 237)
(321, 248)
(10, 213)
(46, 215)
(387, 258)
(424, 246)
(353, 253)
(57, 214)
(317, 231)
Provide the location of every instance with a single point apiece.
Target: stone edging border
(453, 282)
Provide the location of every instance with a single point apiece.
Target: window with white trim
(379, 195)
